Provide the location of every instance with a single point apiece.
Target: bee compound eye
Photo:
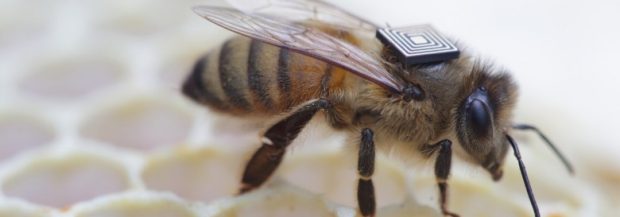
(479, 118)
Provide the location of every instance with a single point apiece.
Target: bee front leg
(442, 171)
(274, 142)
(365, 168)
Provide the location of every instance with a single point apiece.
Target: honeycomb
(92, 124)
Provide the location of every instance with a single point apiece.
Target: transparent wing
(301, 10)
(303, 39)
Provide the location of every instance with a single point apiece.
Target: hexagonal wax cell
(139, 123)
(21, 213)
(66, 80)
(195, 174)
(334, 175)
(137, 18)
(279, 200)
(61, 181)
(21, 132)
(146, 204)
(15, 208)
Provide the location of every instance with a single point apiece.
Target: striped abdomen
(246, 76)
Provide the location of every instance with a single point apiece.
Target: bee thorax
(413, 92)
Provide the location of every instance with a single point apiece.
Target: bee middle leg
(274, 142)
(365, 168)
(442, 171)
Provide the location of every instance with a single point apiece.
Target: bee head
(483, 117)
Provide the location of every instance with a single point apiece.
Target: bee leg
(274, 142)
(365, 168)
(442, 171)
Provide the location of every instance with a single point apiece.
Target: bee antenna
(526, 180)
(555, 150)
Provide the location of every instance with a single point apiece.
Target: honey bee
(299, 57)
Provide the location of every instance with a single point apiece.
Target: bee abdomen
(200, 86)
(215, 81)
(246, 76)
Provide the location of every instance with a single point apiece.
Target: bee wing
(303, 39)
(302, 10)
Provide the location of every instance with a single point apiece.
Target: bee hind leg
(365, 168)
(274, 142)
(442, 171)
